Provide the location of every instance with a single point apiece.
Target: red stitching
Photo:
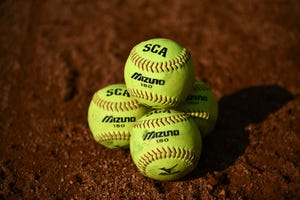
(157, 122)
(155, 66)
(167, 120)
(159, 97)
(166, 152)
(161, 121)
(171, 118)
(143, 160)
(179, 152)
(171, 152)
(154, 97)
(147, 158)
(148, 65)
(115, 135)
(115, 106)
(155, 156)
(196, 113)
(152, 123)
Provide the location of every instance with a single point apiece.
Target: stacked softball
(161, 112)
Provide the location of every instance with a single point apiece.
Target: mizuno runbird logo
(140, 77)
(168, 171)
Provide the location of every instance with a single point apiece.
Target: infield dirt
(55, 54)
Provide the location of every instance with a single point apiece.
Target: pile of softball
(161, 112)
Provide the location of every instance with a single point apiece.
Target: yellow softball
(159, 73)
(202, 105)
(165, 144)
(112, 114)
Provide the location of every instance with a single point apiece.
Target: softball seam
(114, 135)
(199, 114)
(166, 66)
(115, 106)
(153, 123)
(166, 152)
(157, 98)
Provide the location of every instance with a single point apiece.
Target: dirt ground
(55, 54)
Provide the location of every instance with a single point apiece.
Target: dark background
(55, 54)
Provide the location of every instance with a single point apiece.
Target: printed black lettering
(147, 47)
(163, 52)
(169, 133)
(160, 134)
(126, 93)
(109, 92)
(106, 118)
(176, 132)
(140, 77)
(154, 50)
(197, 98)
(118, 91)
(112, 119)
(136, 75)
(158, 111)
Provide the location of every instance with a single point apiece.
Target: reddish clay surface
(55, 54)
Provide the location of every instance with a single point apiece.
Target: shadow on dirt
(230, 137)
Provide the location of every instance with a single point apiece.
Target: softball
(112, 114)
(202, 105)
(159, 73)
(165, 144)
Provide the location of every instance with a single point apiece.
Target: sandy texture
(55, 54)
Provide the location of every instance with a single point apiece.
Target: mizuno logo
(160, 134)
(140, 77)
(112, 119)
